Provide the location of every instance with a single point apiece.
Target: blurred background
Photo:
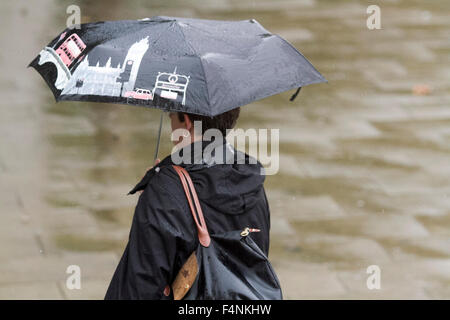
(364, 160)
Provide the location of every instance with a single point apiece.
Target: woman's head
(221, 122)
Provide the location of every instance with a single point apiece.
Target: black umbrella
(196, 66)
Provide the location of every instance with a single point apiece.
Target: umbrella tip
(295, 94)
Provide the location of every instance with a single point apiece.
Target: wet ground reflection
(365, 159)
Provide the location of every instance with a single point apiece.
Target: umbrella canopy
(204, 67)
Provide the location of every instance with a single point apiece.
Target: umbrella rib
(201, 64)
(306, 60)
(184, 38)
(206, 85)
(162, 33)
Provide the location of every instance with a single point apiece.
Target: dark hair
(222, 122)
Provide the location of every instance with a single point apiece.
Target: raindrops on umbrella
(197, 66)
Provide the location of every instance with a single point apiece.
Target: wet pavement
(364, 160)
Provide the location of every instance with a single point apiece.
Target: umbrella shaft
(159, 136)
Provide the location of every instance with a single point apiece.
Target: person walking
(163, 233)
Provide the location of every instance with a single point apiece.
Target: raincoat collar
(193, 157)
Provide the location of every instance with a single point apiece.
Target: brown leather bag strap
(194, 205)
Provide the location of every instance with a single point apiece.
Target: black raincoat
(163, 233)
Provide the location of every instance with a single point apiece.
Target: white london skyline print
(107, 79)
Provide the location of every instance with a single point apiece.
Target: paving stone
(22, 243)
(281, 227)
(303, 207)
(392, 226)
(373, 226)
(312, 281)
(352, 250)
(30, 291)
(410, 279)
(393, 285)
(417, 204)
(53, 267)
(94, 289)
(438, 290)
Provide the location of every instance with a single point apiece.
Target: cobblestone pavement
(364, 165)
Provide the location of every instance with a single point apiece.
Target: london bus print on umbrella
(70, 49)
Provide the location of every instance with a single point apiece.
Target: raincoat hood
(231, 188)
